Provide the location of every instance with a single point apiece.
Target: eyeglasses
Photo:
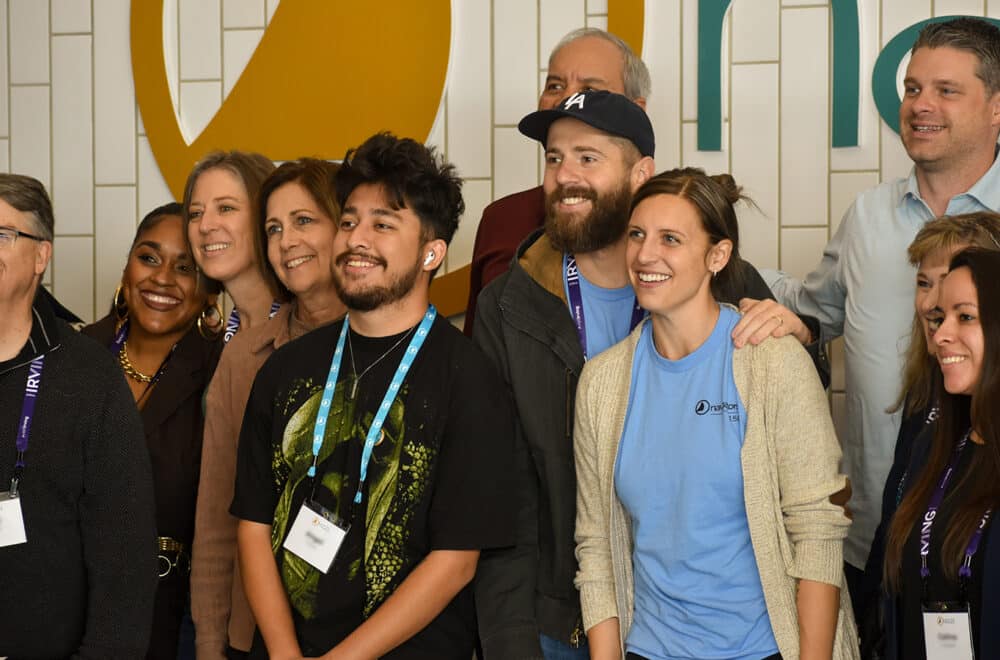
(8, 236)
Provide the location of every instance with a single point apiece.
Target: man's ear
(643, 170)
(995, 109)
(432, 255)
(43, 254)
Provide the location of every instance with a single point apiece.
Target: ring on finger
(780, 320)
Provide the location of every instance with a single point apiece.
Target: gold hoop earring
(120, 309)
(210, 322)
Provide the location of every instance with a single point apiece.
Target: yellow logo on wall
(626, 18)
(325, 76)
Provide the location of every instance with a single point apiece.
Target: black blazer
(173, 418)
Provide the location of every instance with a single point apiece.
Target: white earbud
(429, 258)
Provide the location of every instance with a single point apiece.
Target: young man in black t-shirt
(374, 458)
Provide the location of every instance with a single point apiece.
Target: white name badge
(948, 636)
(314, 537)
(11, 521)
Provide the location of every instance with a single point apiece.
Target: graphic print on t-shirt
(399, 475)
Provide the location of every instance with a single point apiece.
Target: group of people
(632, 458)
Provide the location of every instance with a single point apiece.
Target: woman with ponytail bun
(704, 471)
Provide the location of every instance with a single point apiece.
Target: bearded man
(375, 452)
(565, 299)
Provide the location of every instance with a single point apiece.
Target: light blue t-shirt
(607, 312)
(678, 475)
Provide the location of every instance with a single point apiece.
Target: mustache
(344, 256)
(572, 191)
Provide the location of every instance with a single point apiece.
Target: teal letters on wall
(846, 65)
(846, 72)
(711, 14)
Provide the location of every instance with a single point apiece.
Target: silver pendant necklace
(354, 370)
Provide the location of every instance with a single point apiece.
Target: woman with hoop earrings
(159, 328)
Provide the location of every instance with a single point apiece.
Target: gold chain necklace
(129, 369)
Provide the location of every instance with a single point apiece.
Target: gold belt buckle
(166, 547)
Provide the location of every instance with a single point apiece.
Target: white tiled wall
(68, 114)
(805, 125)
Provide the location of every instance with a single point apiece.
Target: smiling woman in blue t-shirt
(704, 525)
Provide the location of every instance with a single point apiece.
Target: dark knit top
(82, 586)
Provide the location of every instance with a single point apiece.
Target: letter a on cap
(576, 99)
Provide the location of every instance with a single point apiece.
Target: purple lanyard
(576, 304)
(31, 388)
(927, 523)
(120, 337)
(233, 324)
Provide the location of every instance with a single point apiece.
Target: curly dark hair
(413, 176)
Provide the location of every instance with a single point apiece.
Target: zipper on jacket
(576, 639)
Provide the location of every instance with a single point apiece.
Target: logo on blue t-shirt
(704, 407)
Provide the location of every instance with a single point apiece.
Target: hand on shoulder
(767, 318)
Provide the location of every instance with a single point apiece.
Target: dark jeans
(185, 645)
(168, 612)
(554, 649)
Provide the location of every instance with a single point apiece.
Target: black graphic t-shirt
(437, 478)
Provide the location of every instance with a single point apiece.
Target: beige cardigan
(789, 457)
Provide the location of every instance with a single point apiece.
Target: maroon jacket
(505, 223)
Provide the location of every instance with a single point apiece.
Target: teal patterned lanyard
(397, 381)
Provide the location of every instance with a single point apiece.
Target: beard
(366, 299)
(603, 226)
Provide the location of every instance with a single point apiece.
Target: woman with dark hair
(299, 216)
(222, 213)
(940, 571)
(704, 472)
(930, 253)
(156, 329)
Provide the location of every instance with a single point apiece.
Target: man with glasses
(76, 508)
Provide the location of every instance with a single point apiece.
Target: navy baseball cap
(606, 111)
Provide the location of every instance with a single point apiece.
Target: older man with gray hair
(77, 571)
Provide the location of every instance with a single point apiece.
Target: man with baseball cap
(586, 58)
(565, 298)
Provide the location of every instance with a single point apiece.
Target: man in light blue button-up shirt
(863, 288)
